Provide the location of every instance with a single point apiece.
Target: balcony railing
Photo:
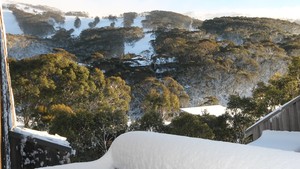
(285, 118)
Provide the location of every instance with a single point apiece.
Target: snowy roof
(43, 135)
(283, 140)
(147, 150)
(216, 110)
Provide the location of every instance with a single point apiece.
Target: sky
(202, 9)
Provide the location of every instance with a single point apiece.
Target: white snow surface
(11, 24)
(147, 150)
(216, 110)
(283, 140)
(142, 47)
(43, 135)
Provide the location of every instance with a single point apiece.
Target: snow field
(11, 24)
(141, 47)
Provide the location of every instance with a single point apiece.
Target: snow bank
(146, 150)
(283, 140)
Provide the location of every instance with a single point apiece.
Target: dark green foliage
(241, 114)
(151, 121)
(54, 93)
(192, 126)
(164, 96)
(63, 37)
(129, 18)
(77, 22)
(37, 24)
(169, 20)
(90, 134)
(56, 79)
(192, 50)
(109, 41)
(112, 18)
(279, 90)
(95, 22)
(77, 13)
(258, 29)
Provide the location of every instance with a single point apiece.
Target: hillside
(210, 59)
(91, 79)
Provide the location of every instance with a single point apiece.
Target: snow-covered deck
(282, 140)
(146, 150)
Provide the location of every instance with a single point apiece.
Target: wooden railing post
(7, 111)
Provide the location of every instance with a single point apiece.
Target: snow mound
(283, 140)
(146, 150)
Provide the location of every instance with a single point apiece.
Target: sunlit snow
(147, 150)
(11, 24)
(142, 47)
(216, 110)
(283, 140)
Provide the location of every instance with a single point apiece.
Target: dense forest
(89, 90)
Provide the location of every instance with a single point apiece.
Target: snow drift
(147, 150)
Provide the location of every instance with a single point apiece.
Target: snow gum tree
(163, 96)
(77, 22)
(53, 92)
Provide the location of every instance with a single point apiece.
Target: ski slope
(147, 150)
(142, 47)
(11, 24)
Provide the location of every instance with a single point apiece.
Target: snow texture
(283, 140)
(43, 135)
(11, 23)
(216, 110)
(160, 61)
(147, 150)
(142, 47)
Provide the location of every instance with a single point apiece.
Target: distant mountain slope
(238, 29)
(211, 59)
(165, 19)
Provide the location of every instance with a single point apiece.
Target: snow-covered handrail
(147, 150)
(285, 118)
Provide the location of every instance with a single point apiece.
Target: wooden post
(7, 110)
